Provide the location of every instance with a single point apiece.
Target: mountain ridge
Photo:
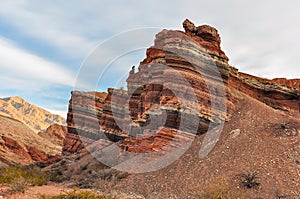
(36, 118)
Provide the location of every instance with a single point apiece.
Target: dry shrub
(77, 193)
(18, 178)
(220, 188)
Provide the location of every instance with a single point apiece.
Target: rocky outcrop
(278, 93)
(55, 133)
(184, 61)
(207, 37)
(85, 109)
(36, 118)
(181, 88)
(20, 145)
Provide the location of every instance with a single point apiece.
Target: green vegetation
(77, 194)
(18, 178)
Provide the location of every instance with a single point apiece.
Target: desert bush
(221, 189)
(18, 178)
(56, 176)
(77, 194)
(248, 180)
(101, 178)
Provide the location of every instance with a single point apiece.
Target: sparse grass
(77, 194)
(56, 176)
(221, 189)
(101, 178)
(18, 178)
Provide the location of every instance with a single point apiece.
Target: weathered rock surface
(19, 144)
(182, 60)
(180, 68)
(36, 118)
(55, 133)
(261, 117)
(278, 93)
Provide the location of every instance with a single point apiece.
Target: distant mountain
(36, 118)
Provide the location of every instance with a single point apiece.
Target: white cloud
(20, 68)
(48, 25)
(261, 27)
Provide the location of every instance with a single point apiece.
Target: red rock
(189, 26)
(55, 133)
(278, 93)
(186, 60)
(20, 145)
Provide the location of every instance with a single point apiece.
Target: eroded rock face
(180, 68)
(55, 133)
(278, 93)
(20, 145)
(182, 60)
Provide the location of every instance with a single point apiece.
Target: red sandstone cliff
(179, 69)
(189, 57)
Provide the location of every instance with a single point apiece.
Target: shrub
(248, 180)
(18, 178)
(56, 176)
(220, 189)
(77, 194)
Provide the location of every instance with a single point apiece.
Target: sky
(44, 44)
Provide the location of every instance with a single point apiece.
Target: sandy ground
(35, 192)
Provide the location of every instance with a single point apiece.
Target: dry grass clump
(77, 194)
(222, 189)
(18, 178)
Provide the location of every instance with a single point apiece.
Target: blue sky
(44, 43)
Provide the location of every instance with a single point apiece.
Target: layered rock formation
(55, 133)
(183, 87)
(20, 145)
(278, 93)
(182, 75)
(36, 118)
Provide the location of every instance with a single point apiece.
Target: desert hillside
(20, 145)
(36, 118)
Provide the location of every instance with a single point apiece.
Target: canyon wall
(183, 87)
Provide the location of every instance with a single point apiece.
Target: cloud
(113, 58)
(260, 38)
(75, 27)
(48, 23)
(23, 70)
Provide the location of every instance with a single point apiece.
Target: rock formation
(20, 145)
(55, 133)
(182, 88)
(36, 118)
(185, 76)
(278, 93)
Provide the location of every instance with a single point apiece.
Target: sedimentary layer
(183, 85)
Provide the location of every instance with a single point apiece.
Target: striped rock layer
(181, 89)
